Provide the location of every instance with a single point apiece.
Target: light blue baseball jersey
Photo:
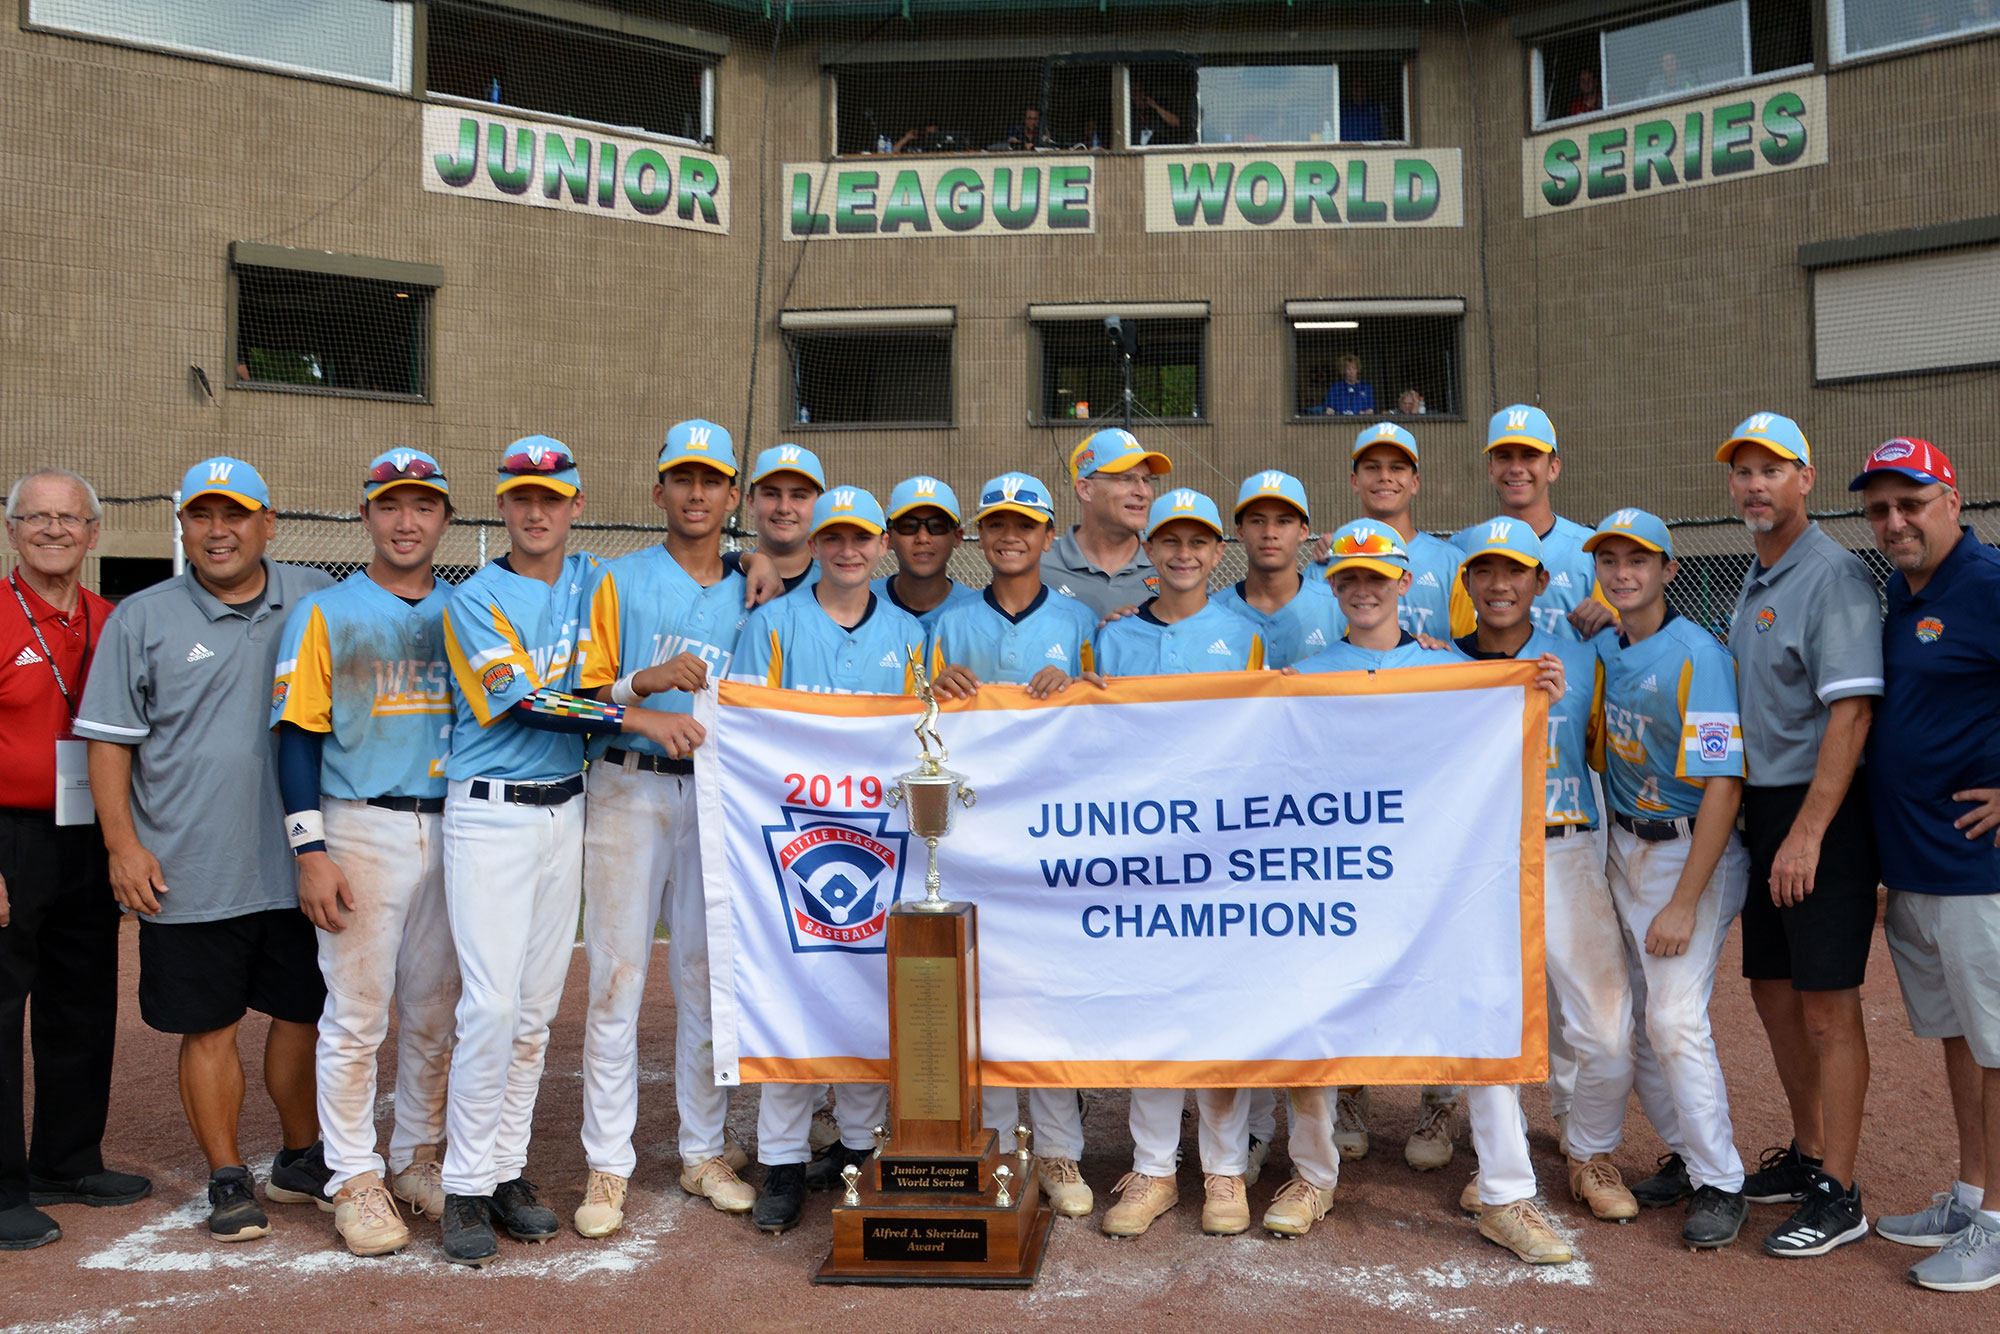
(1214, 639)
(977, 634)
(1425, 606)
(883, 589)
(1297, 630)
(507, 636)
(1670, 719)
(644, 610)
(368, 670)
(1572, 578)
(1573, 723)
(1342, 656)
(791, 643)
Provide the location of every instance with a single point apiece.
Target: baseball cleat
(524, 1217)
(1935, 1226)
(1669, 1185)
(1562, 1135)
(365, 1216)
(1226, 1210)
(1597, 1184)
(782, 1199)
(1298, 1205)
(1714, 1218)
(1141, 1199)
(421, 1184)
(24, 1227)
(1830, 1217)
(734, 1154)
(299, 1176)
(1063, 1186)
(1260, 1149)
(467, 1228)
(1429, 1146)
(233, 1211)
(1350, 1124)
(823, 1172)
(603, 1209)
(1782, 1176)
(98, 1190)
(718, 1183)
(1521, 1228)
(1970, 1261)
(1468, 1199)
(823, 1133)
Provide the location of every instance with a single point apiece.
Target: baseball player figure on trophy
(945, 1206)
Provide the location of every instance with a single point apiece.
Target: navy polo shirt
(1937, 725)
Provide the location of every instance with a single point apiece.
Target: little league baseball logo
(1929, 628)
(497, 678)
(1713, 740)
(1766, 619)
(837, 874)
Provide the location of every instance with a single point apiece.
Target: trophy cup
(939, 1203)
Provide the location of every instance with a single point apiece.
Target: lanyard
(48, 654)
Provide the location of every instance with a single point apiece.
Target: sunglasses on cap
(936, 527)
(1023, 496)
(416, 470)
(1363, 544)
(551, 461)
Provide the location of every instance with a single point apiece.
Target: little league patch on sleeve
(279, 692)
(497, 678)
(1713, 740)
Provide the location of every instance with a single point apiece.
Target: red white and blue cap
(788, 458)
(1273, 485)
(403, 467)
(1113, 450)
(1182, 503)
(1779, 434)
(1521, 424)
(539, 460)
(1386, 433)
(915, 493)
(1368, 544)
(699, 441)
(1919, 460)
(230, 478)
(849, 505)
(1016, 493)
(1648, 530)
(1502, 536)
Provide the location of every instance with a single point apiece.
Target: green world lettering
(1260, 193)
(1199, 185)
(1360, 208)
(1313, 187)
(1416, 193)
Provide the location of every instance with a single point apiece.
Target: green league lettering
(805, 222)
(960, 199)
(853, 202)
(1013, 210)
(1069, 197)
(905, 204)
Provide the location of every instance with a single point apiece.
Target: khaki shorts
(1947, 953)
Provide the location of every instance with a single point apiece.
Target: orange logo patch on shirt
(1766, 619)
(497, 678)
(1929, 628)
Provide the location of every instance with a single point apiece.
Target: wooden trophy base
(940, 1227)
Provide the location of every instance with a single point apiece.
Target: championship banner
(1230, 880)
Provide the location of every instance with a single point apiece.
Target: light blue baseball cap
(788, 458)
(1780, 435)
(1016, 493)
(1519, 424)
(403, 467)
(915, 493)
(1368, 544)
(1384, 433)
(846, 504)
(1645, 529)
(539, 460)
(1182, 503)
(1273, 485)
(699, 441)
(1502, 536)
(1113, 449)
(224, 476)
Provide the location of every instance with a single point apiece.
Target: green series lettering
(1730, 141)
(1787, 132)
(1565, 178)
(1652, 150)
(1606, 167)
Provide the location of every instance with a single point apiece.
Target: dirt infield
(1393, 1254)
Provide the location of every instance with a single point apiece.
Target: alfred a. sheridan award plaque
(939, 1203)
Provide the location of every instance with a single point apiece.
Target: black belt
(1654, 831)
(529, 794)
(1554, 831)
(411, 805)
(652, 764)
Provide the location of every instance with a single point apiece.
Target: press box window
(365, 41)
(1916, 314)
(1668, 57)
(614, 79)
(345, 325)
(1407, 357)
(1290, 99)
(1083, 362)
(1865, 27)
(971, 106)
(870, 368)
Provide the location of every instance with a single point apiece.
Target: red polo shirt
(32, 712)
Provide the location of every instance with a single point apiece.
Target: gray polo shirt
(1068, 571)
(185, 680)
(1806, 632)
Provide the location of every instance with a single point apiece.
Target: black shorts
(1822, 943)
(196, 977)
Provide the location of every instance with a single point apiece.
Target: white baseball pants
(1675, 1067)
(1590, 1003)
(1309, 1132)
(1223, 1138)
(396, 947)
(1054, 1114)
(513, 876)
(785, 1112)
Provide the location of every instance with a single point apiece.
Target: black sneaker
(467, 1227)
(99, 1189)
(781, 1200)
(525, 1217)
(1781, 1177)
(299, 1176)
(1669, 1185)
(24, 1227)
(233, 1211)
(823, 1172)
(1714, 1217)
(1829, 1217)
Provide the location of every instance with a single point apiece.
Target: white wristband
(303, 827)
(623, 693)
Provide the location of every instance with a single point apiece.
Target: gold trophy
(927, 792)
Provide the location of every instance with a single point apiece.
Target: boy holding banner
(1021, 632)
(1180, 631)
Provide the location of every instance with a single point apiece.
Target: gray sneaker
(1970, 1262)
(1935, 1226)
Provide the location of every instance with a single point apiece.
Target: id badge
(73, 803)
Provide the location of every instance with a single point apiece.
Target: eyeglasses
(69, 523)
(1907, 506)
(937, 527)
(551, 460)
(416, 470)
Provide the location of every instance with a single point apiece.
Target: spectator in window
(1361, 122)
(1350, 393)
(1669, 79)
(1588, 98)
(1151, 122)
(1028, 134)
(1411, 404)
(916, 139)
